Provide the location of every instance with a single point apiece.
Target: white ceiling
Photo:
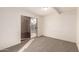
(39, 11)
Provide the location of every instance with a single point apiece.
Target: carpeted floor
(17, 47)
(47, 44)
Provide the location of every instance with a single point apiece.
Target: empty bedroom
(39, 29)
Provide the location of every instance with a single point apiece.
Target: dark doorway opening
(25, 28)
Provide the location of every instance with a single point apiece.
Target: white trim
(26, 45)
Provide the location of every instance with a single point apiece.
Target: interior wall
(77, 28)
(10, 26)
(40, 25)
(61, 26)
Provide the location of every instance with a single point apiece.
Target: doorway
(25, 28)
(34, 27)
(28, 28)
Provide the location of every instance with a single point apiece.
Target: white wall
(10, 26)
(61, 26)
(40, 26)
(77, 28)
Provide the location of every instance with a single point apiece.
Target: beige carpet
(47, 44)
(17, 47)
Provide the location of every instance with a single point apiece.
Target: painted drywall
(61, 26)
(40, 25)
(77, 28)
(10, 26)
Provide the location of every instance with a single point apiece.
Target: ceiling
(41, 12)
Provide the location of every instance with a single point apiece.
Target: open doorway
(33, 27)
(25, 28)
(28, 28)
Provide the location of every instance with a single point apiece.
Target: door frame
(30, 28)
